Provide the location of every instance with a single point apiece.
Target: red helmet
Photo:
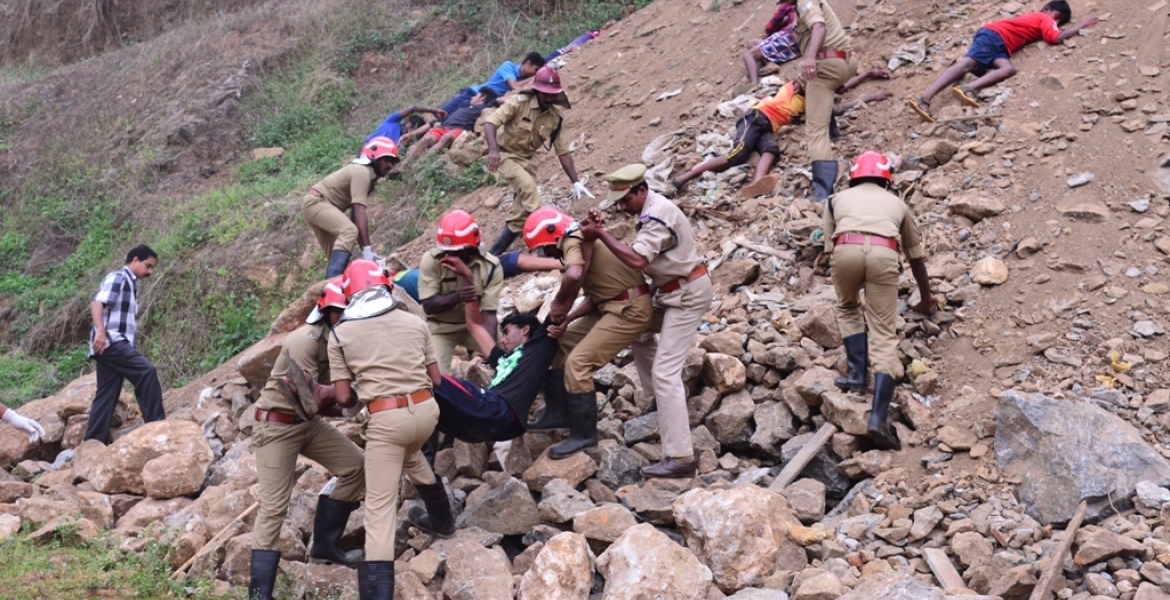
(457, 230)
(871, 164)
(545, 227)
(378, 147)
(333, 294)
(547, 80)
(362, 274)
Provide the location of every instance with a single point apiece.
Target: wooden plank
(179, 574)
(800, 461)
(1044, 586)
(944, 571)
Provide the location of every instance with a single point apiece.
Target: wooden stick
(802, 458)
(944, 571)
(1044, 586)
(218, 536)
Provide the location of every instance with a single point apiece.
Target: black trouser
(121, 361)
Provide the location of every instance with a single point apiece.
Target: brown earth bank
(1042, 383)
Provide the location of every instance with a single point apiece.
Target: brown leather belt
(403, 401)
(827, 54)
(631, 293)
(314, 192)
(861, 238)
(675, 284)
(277, 417)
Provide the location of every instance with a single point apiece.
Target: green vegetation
(97, 569)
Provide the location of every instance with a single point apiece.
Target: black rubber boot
(582, 409)
(263, 578)
(328, 527)
(883, 434)
(437, 518)
(376, 580)
(500, 246)
(857, 355)
(555, 415)
(338, 260)
(834, 130)
(824, 176)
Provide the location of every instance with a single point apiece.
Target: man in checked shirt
(111, 345)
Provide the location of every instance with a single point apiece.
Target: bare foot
(678, 187)
(877, 74)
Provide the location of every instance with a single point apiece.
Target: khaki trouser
(875, 269)
(593, 340)
(393, 440)
(660, 364)
(276, 446)
(520, 173)
(446, 337)
(820, 94)
(330, 226)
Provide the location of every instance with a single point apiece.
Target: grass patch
(24, 377)
(237, 326)
(97, 569)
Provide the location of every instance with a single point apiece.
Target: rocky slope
(1045, 226)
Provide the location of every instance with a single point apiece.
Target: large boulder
(173, 475)
(736, 532)
(120, 466)
(477, 573)
(1066, 451)
(256, 363)
(563, 570)
(508, 510)
(820, 325)
(645, 563)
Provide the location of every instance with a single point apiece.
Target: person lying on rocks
(755, 132)
(439, 135)
(391, 127)
(508, 76)
(581, 40)
(989, 57)
(513, 263)
(778, 47)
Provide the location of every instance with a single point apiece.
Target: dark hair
(520, 319)
(881, 181)
(1061, 7)
(489, 95)
(638, 188)
(415, 121)
(534, 59)
(142, 252)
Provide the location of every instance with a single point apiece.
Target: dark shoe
(338, 260)
(376, 580)
(857, 355)
(582, 409)
(555, 415)
(437, 518)
(328, 527)
(824, 177)
(671, 468)
(263, 578)
(500, 246)
(883, 434)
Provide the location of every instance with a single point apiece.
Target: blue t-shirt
(390, 128)
(499, 81)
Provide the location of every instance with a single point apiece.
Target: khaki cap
(624, 179)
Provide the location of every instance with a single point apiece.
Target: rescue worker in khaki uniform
(664, 249)
(514, 133)
(387, 353)
(348, 188)
(442, 296)
(280, 435)
(864, 228)
(615, 311)
(827, 64)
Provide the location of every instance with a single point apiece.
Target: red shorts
(438, 132)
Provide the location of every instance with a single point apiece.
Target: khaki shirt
(386, 355)
(811, 12)
(867, 208)
(606, 277)
(349, 185)
(307, 345)
(523, 127)
(434, 280)
(666, 240)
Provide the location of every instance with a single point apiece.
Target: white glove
(368, 254)
(34, 429)
(578, 189)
